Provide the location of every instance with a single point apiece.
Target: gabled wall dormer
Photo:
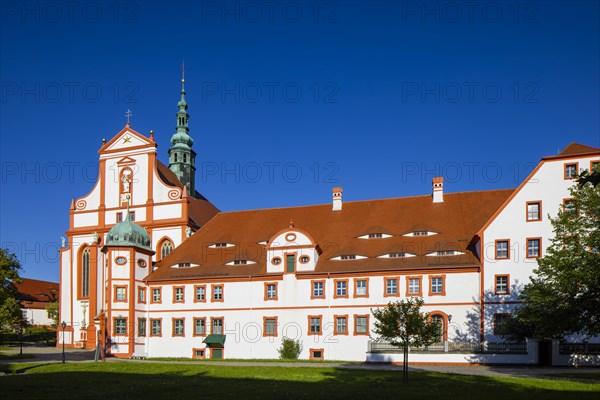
(291, 250)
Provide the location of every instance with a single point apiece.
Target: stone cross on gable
(128, 114)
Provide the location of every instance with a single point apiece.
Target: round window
(276, 260)
(121, 260)
(141, 263)
(290, 237)
(304, 259)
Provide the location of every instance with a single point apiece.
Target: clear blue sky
(291, 99)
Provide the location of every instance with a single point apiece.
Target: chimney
(438, 189)
(337, 198)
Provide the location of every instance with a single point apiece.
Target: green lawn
(120, 380)
(592, 375)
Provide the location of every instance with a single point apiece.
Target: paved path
(43, 353)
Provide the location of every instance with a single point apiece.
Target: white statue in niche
(188, 231)
(126, 182)
(84, 306)
(63, 241)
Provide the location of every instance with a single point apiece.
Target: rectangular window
(317, 354)
(533, 247)
(341, 288)
(142, 327)
(178, 324)
(217, 293)
(119, 217)
(217, 326)
(141, 295)
(501, 284)
(499, 320)
(200, 293)
(290, 263)
(199, 326)
(132, 215)
(270, 326)
(594, 165)
(502, 247)
(571, 171)
(413, 286)
(198, 353)
(361, 324)
(391, 287)
(120, 326)
(534, 211)
(361, 288)
(318, 290)
(120, 293)
(155, 325)
(314, 324)
(341, 325)
(156, 295)
(271, 291)
(569, 207)
(178, 296)
(437, 286)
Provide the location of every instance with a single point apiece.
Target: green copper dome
(126, 233)
(182, 138)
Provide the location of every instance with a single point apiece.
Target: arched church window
(85, 273)
(185, 158)
(166, 248)
(175, 157)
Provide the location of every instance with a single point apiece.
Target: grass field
(119, 380)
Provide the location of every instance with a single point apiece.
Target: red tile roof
(36, 294)
(456, 220)
(201, 210)
(575, 149)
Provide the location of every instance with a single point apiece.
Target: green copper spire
(181, 156)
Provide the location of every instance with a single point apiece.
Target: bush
(290, 349)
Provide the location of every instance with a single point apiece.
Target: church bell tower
(182, 159)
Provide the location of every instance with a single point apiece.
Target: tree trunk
(405, 365)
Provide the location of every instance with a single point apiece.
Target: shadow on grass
(128, 380)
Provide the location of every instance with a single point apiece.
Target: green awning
(215, 340)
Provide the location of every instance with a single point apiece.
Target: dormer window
(347, 257)
(420, 233)
(221, 245)
(375, 236)
(442, 253)
(184, 265)
(240, 262)
(397, 255)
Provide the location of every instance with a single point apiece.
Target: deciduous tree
(403, 324)
(10, 310)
